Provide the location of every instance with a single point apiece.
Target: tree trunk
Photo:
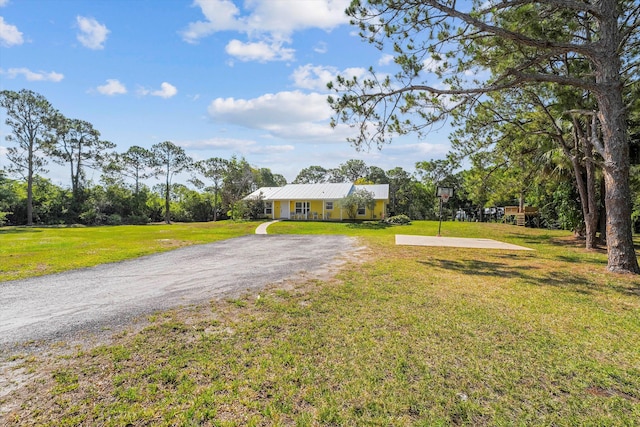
(74, 187)
(30, 187)
(602, 221)
(586, 202)
(585, 177)
(620, 250)
(167, 213)
(30, 199)
(521, 201)
(215, 204)
(591, 216)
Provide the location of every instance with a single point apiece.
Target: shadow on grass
(569, 242)
(480, 268)
(368, 225)
(565, 242)
(538, 239)
(575, 258)
(566, 280)
(14, 230)
(547, 239)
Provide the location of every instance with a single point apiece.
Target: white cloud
(316, 77)
(289, 115)
(321, 47)
(386, 59)
(167, 90)
(4, 3)
(220, 16)
(266, 111)
(268, 24)
(219, 143)
(92, 33)
(312, 132)
(285, 17)
(277, 18)
(242, 146)
(9, 34)
(113, 87)
(259, 51)
(32, 76)
(420, 149)
(271, 149)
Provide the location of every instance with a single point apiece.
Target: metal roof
(380, 191)
(264, 193)
(322, 191)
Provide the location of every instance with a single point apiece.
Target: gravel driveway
(60, 306)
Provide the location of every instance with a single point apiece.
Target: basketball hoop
(444, 193)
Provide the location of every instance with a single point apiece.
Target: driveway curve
(58, 307)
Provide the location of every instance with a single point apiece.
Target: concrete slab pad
(456, 242)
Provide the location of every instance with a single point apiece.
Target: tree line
(40, 133)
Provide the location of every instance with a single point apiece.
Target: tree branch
(586, 50)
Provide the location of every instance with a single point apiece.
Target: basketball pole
(440, 215)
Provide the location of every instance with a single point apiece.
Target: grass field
(403, 336)
(35, 251)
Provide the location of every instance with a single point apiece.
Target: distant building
(318, 201)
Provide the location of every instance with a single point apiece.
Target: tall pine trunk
(167, 204)
(30, 189)
(621, 253)
(585, 176)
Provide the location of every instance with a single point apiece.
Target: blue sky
(217, 77)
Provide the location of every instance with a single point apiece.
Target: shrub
(92, 217)
(398, 220)
(238, 211)
(138, 219)
(114, 219)
(3, 218)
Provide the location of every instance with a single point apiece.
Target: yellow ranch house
(319, 201)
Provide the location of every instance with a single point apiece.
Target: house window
(302, 208)
(268, 208)
(361, 210)
(328, 206)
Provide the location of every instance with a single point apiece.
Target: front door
(284, 209)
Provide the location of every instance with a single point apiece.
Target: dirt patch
(170, 243)
(602, 392)
(13, 375)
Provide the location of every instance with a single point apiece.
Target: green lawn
(403, 336)
(35, 251)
